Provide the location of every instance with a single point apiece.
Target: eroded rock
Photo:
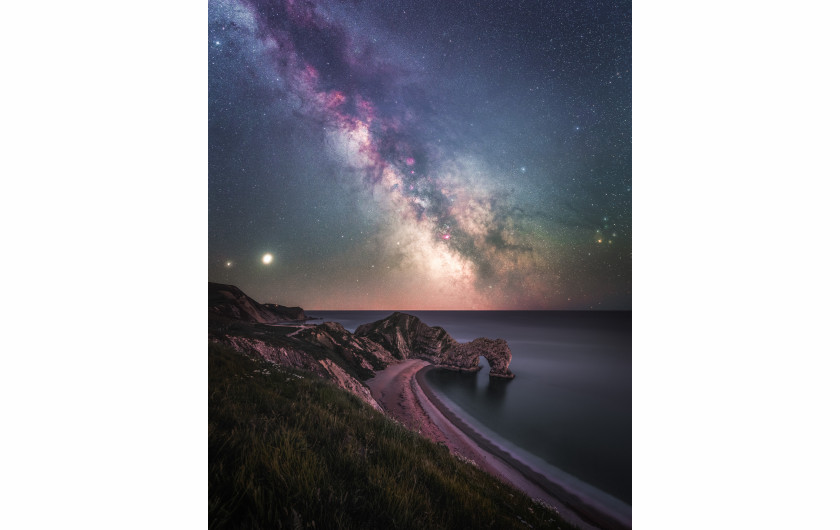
(406, 336)
(357, 350)
(296, 358)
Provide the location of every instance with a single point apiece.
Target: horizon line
(508, 310)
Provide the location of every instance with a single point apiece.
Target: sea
(568, 411)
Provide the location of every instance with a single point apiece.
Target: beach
(402, 392)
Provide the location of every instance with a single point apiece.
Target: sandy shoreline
(402, 391)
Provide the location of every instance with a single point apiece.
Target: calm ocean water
(570, 404)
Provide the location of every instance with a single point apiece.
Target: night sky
(421, 155)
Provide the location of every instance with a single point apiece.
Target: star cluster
(421, 155)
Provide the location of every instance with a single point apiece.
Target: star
(386, 143)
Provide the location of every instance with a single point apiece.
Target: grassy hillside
(219, 327)
(288, 450)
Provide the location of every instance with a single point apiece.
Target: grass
(289, 450)
(220, 327)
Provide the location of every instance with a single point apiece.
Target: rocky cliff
(229, 301)
(293, 355)
(405, 336)
(361, 351)
(334, 353)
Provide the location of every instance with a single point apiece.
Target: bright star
(267, 258)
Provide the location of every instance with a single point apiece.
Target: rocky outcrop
(327, 350)
(349, 383)
(496, 351)
(405, 336)
(330, 351)
(230, 302)
(360, 351)
(288, 355)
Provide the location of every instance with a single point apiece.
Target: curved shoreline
(409, 399)
(551, 489)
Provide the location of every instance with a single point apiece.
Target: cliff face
(230, 302)
(328, 350)
(334, 353)
(496, 351)
(288, 353)
(405, 336)
(360, 351)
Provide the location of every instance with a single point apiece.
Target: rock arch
(405, 336)
(496, 351)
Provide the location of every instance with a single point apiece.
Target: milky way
(421, 155)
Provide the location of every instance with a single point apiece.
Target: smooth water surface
(571, 401)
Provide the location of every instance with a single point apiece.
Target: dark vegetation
(289, 450)
(230, 301)
(219, 327)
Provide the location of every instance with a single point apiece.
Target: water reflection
(571, 401)
(460, 382)
(496, 390)
(474, 386)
